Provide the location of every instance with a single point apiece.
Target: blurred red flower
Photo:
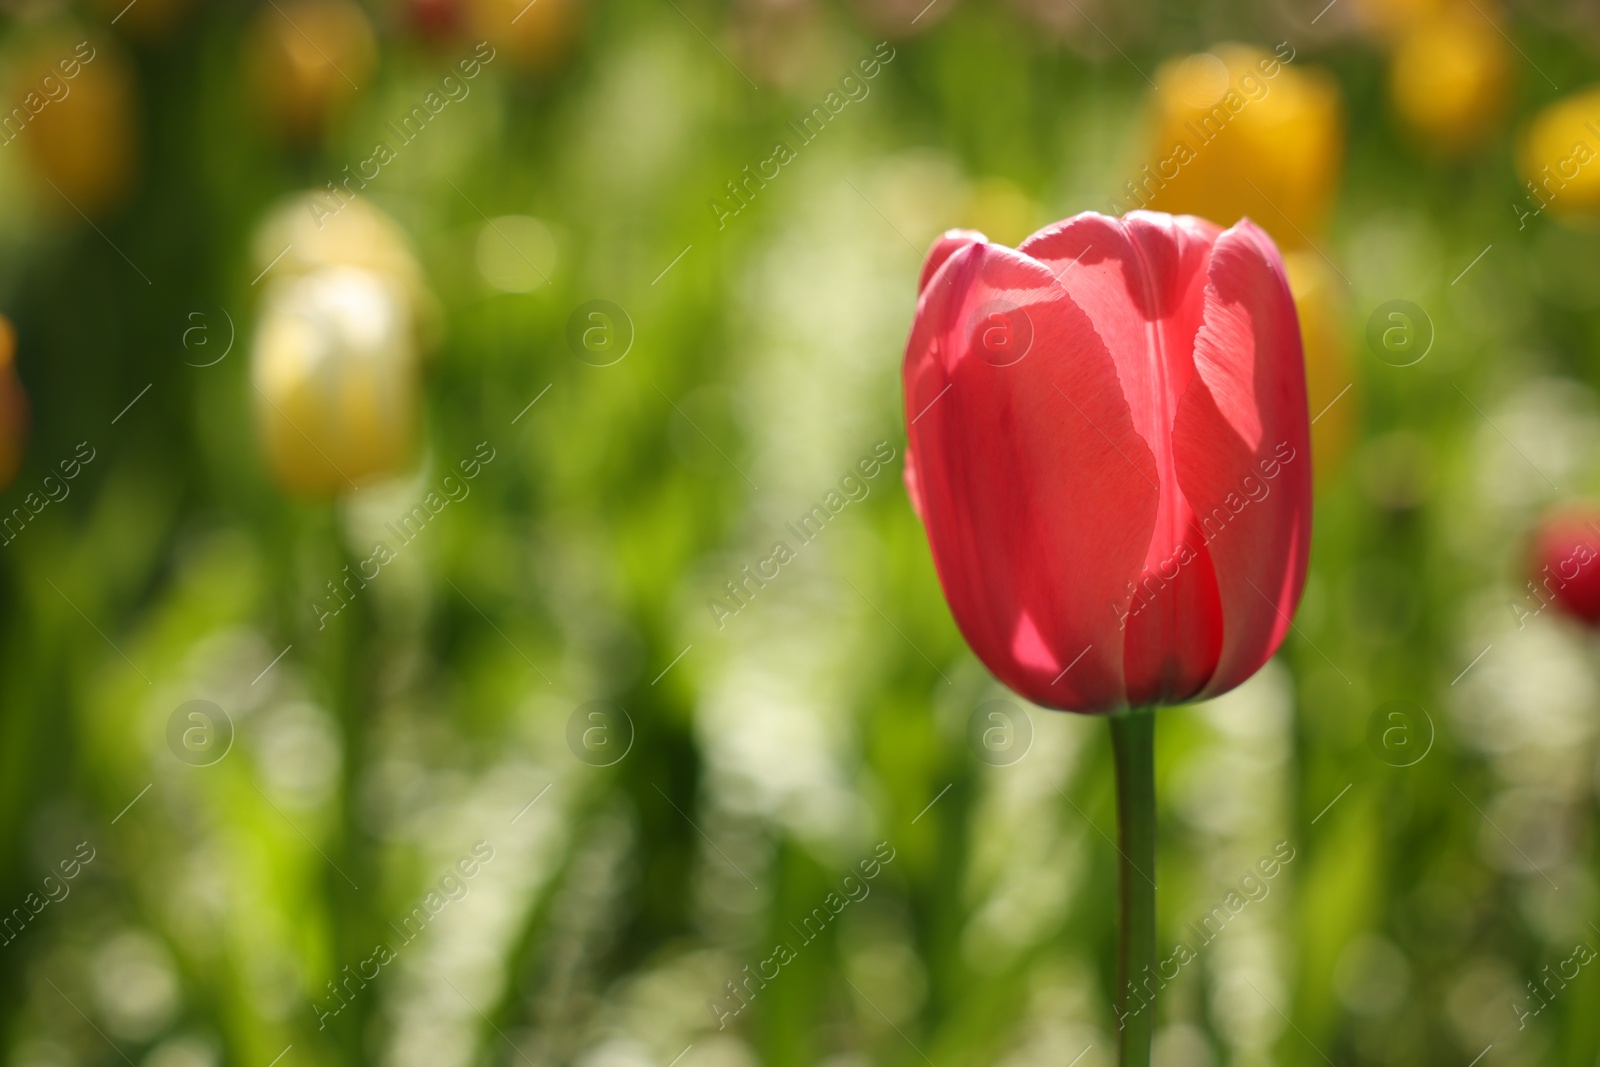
(1565, 564)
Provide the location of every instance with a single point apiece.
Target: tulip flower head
(335, 375)
(84, 138)
(1564, 564)
(537, 37)
(337, 358)
(306, 58)
(1108, 445)
(1241, 132)
(1450, 80)
(1559, 160)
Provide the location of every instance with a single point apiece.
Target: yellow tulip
(1243, 132)
(1319, 301)
(335, 374)
(77, 119)
(307, 59)
(336, 358)
(1449, 79)
(333, 227)
(1559, 158)
(1388, 21)
(535, 34)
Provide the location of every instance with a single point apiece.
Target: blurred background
(405, 403)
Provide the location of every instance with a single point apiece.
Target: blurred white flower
(298, 753)
(1543, 435)
(1371, 976)
(135, 985)
(185, 1051)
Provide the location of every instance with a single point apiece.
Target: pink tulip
(1109, 448)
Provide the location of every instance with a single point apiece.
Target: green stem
(1133, 736)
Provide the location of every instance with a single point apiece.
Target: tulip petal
(1241, 438)
(949, 243)
(1038, 494)
(1141, 280)
(1175, 624)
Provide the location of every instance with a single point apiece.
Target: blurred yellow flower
(1559, 158)
(81, 128)
(307, 59)
(353, 233)
(998, 208)
(1238, 132)
(1449, 79)
(336, 380)
(535, 34)
(336, 358)
(1388, 21)
(1319, 301)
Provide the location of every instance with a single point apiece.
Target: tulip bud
(1449, 80)
(1564, 566)
(534, 34)
(1559, 157)
(13, 406)
(307, 59)
(78, 121)
(1107, 443)
(1332, 391)
(1243, 133)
